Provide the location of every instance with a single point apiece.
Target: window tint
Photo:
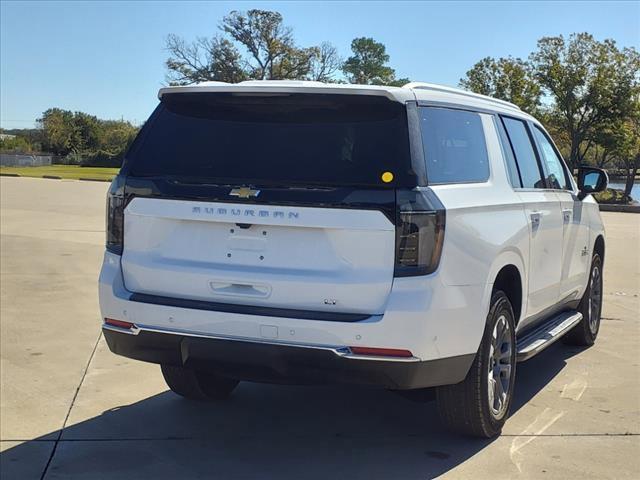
(554, 171)
(454, 146)
(302, 139)
(524, 152)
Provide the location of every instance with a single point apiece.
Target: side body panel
(581, 226)
(593, 218)
(576, 258)
(544, 216)
(486, 229)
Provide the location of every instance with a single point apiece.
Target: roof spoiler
(292, 86)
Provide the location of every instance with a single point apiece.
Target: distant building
(6, 136)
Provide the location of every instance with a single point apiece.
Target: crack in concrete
(73, 401)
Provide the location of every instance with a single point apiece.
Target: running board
(546, 334)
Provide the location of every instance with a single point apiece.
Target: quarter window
(524, 153)
(512, 168)
(556, 177)
(454, 146)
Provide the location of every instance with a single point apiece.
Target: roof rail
(458, 91)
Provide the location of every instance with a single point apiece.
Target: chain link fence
(25, 160)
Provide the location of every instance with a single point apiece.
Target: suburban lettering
(245, 212)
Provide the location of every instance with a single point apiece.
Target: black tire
(197, 385)
(585, 333)
(465, 407)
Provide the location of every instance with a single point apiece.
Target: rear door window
(520, 142)
(277, 139)
(454, 146)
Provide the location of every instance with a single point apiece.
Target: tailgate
(320, 259)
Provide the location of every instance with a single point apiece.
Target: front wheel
(585, 332)
(479, 405)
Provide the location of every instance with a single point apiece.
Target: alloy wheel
(595, 299)
(499, 367)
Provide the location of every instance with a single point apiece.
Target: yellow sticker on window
(387, 177)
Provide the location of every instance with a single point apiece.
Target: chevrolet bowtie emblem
(244, 192)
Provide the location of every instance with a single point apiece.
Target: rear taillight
(420, 221)
(115, 216)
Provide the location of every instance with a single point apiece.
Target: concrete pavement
(71, 409)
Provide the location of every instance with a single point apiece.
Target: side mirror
(591, 180)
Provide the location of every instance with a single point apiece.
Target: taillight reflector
(118, 323)
(380, 352)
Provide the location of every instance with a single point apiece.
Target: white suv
(300, 232)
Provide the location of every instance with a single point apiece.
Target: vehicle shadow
(268, 431)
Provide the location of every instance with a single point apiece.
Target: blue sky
(107, 58)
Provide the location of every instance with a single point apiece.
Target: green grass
(64, 171)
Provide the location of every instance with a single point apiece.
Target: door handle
(535, 219)
(566, 215)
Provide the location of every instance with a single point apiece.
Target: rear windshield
(283, 139)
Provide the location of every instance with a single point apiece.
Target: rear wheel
(197, 385)
(585, 332)
(479, 405)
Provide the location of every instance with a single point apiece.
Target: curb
(55, 177)
(96, 179)
(611, 207)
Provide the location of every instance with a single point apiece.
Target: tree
(86, 132)
(268, 41)
(85, 138)
(606, 141)
(17, 144)
(508, 79)
(203, 60)
(58, 131)
(116, 137)
(271, 53)
(367, 65)
(325, 63)
(591, 84)
(626, 144)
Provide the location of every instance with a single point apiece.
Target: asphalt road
(71, 409)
